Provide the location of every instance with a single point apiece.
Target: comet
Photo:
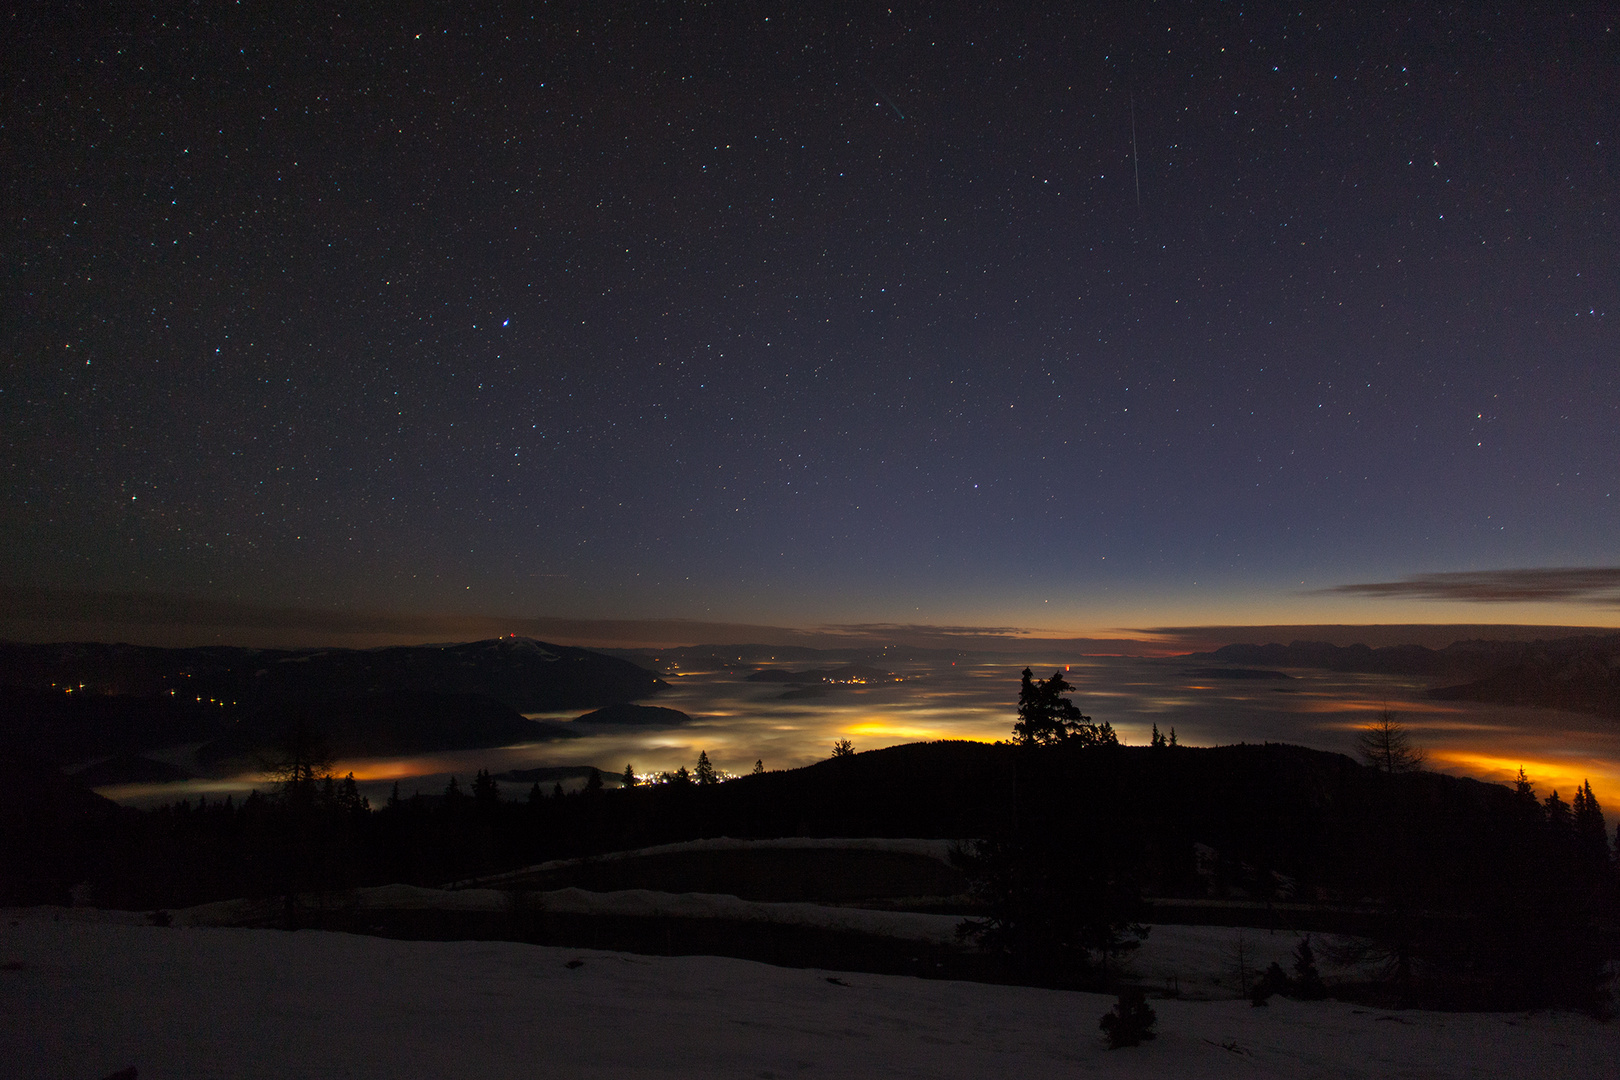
(887, 99)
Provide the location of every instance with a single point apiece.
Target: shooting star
(1135, 165)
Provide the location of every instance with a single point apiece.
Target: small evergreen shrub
(1130, 1021)
(1308, 985)
(1274, 981)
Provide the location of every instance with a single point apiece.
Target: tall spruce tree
(1046, 717)
(1591, 839)
(705, 773)
(1560, 819)
(1525, 792)
(486, 792)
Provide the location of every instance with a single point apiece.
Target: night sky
(763, 313)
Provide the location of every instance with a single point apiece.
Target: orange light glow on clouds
(879, 729)
(1547, 775)
(388, 768)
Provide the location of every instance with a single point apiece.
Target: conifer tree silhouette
(1387, 745)
(705, 773)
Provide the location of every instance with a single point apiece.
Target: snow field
(1199, 961)
(80, 999)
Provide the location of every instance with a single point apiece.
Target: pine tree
(350, 799)
(1049, 909)
(486, 792)
(1046, 717)
(759, 767)
(843, 748)
(1172, 736)
(1591, 840)
(1524, 792)
(629, 778)
(1560, 820)
(705, 774)
(535, 794)
(1158, 740)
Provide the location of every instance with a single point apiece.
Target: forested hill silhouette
(1312, 815)
(75, 701)
(528, 675)
(1458, 659)
(1581, 674)
(1473, 893)
(380, 724)
(1576, 673)
(635, 716)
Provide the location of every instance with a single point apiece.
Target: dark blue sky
(762, 313)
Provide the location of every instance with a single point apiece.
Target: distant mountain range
(528, 675)
(1581, 674)
(846, 674)
(747, 657)
(380, 725)
(78, 701)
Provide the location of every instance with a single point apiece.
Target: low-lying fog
(738, 722)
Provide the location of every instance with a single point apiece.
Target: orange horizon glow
(880, 729)
(387, 768)
(1546, 776)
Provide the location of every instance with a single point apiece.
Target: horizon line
(41, 615)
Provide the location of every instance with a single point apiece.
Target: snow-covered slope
(931, 849)
(631, 903)
(81, 999)
(1198, 961)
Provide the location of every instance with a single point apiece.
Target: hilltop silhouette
(78, 701)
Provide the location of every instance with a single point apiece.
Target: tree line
(1468, 893)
